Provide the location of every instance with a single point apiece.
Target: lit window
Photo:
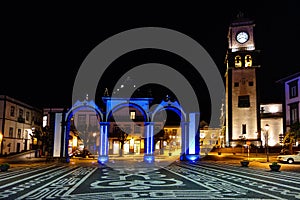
(132, 114)
(238, 61)
(248, 61)
(45, 119)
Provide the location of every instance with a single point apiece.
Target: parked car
(290, 158)
(83, 154)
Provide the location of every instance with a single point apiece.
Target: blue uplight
(149, 159)
(102, 159)
(192, 158)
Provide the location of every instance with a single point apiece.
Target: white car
(290, 158)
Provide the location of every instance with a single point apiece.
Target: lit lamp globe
(267, 127)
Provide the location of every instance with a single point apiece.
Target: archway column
(193, 137)
(149, 142)
(190, 138)
(184, 140)
(103, 147)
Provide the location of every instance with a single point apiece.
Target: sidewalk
(258, 161)
(23, 159)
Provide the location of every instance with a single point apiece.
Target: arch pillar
(149, 142)
(184, 139)
(103, 147)
(190, 138)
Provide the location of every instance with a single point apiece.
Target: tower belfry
(242, 97)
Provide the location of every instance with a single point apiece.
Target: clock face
(242, 37)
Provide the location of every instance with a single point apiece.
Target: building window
(27, 116)
(45, 120)
(244, 129)
(81, 120)
(21, 113)
(93, 120)
(11, 132)
(127, 128)
(244, 101)
(293, 89)
(236, 84)
(19, 133)
(25, 136)
(250, 83)
(174, 131)
(12, 111)
(294, 113)
(137, 129)
(132, 114)
(248, 61)
(238, 61)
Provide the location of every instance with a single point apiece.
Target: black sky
(43, 45)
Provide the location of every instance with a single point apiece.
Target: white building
(17, 120)
(272, 114)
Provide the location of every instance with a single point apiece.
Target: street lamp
(94, 135)
(267, 127)
(1, 144)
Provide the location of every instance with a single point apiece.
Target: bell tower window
(238, 61)
(248, 61)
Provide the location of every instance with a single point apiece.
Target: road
(179, 180)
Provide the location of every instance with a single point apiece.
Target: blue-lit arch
(84, 105)
(178, 111)
(81, 106)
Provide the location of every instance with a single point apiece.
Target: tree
(292, 135)
(122, 137)
(160, 137)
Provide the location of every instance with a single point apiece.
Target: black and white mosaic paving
(179, 180)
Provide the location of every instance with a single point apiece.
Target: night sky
(43, 45)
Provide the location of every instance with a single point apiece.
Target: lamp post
(267, 127)
(1, 144)
(94, 135)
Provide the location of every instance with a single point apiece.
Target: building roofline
(283, 80)
(16, 101)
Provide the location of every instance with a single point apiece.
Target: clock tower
(242, 96)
